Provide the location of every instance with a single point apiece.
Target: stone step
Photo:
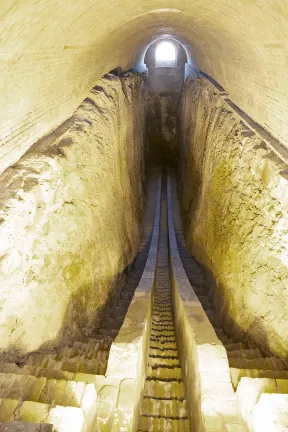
(271, 413)
(164, 298)
(159, 311)
(79, 354)
(162, 373)
(225, 339)
(98, 342)
(71, 365)
(161, 292)
(160, 331)
(47, 391)
(269, 363)
(158, 325)
(234, 346)
(63, 419)
(164, 389)
(249, 391)
(163, 353)
(161, 361)
(163, 336)
(97, 338)
(96, 380)
(162, 344)
(162, 321)
(237, 374)
(153, 424)
(162, 285)
(244, 354)
(163, 317)
(108, 332)
(162, 307)
(35, 371)
(173, 408)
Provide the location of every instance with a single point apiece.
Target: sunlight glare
(165, 51)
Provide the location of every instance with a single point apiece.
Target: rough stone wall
(162, 130)
(69, 218)
(165, 91)
(235, 212)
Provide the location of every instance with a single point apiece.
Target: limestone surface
(54, 51)
(235, 212)
(70, 211)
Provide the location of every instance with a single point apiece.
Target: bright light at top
(165, 51)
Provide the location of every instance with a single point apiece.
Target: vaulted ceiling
(53, 51)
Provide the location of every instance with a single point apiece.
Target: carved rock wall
(235, 212)
(70, 212)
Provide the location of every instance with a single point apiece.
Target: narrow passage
(164, 404)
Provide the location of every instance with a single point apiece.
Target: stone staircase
(57, 388)
(65, 404)
(164, 405)
(260, 381)
(65, 389)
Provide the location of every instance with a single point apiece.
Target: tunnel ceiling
(53, 51)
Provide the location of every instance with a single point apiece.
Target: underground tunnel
(144, 216)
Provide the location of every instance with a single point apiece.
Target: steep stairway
(164, 404)
(55, 389)
(259, 380)
(111, 324)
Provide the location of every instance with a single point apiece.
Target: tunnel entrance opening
(165, 60)
(165, 55)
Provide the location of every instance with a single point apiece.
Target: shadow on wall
(256, 334)
(166, 78)
(77, 323)
(234, 200)
(70, 217)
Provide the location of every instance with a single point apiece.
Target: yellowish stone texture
(53, 52)
(70, 211)
(235, 210)
(211, 401)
